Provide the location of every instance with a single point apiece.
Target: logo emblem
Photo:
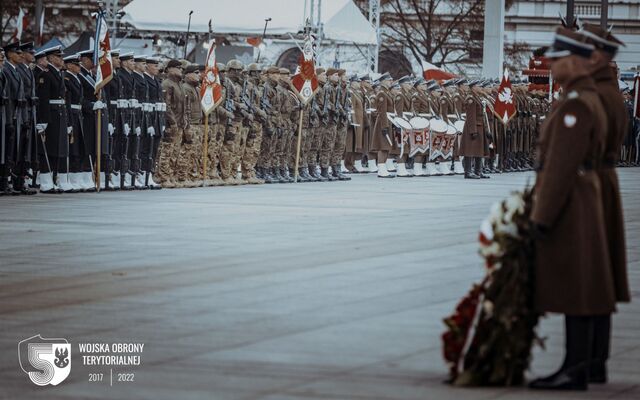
(46, 361)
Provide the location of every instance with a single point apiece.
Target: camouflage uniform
(169, 151)
(190, 160)
(233, 130)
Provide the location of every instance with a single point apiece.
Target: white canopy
(343, 21)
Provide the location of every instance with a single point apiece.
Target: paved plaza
(279, 292)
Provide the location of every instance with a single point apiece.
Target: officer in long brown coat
(472, 143)
(572, 264)
(617, 124)
(382, 140)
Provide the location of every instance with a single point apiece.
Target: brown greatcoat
(472, 143)
(355, 136)
(617, 123)
(382, 126)
(572, 265)
(368, 102)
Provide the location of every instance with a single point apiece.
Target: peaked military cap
(153, 60)
(354, 78)
(28, 47)
(602, 39)
(173, 63)
(567, 42)
(13, 47)
(115, 52)
(418, 82)
(126, 56)
(365, 77)
(140, 58)
(72, 59)
(40, 54)
(408, 79)
(54, 51)
(284, 71)
(86, 53)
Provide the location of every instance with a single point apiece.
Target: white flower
(486, 228)
(495, 214)
(493, 250)
(507, 228)
(514, 205)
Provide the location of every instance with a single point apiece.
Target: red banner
(505, 105)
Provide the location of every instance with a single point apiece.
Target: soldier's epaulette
(573, 95)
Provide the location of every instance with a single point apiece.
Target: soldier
(53, 123)
(29, 148)
(77, 146)
(92, 107)
(573, 274)
(402, 103)
(12, 140)
(233, 131)
(606, 47)
(141, 111)
(318, 128)
(155, 129)
(330, 117)
(369, 163)
(217, 124)
(169, 150)
(113, 159)
(420, 105)
(127, 113)
(473, 143)
(342, 109)
(253, 94)
(382, 138)
(355, 132)
(190, 160)
(288, 119)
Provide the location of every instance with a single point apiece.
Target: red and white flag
(305, 82)
(21, 23)
(102, 53)
(505, 106)
(41, 32)
(211, 88)
(430, 71)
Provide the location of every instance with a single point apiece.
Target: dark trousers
(587, 343)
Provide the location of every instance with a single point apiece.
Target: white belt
(123, 103)
(135, 103)
(161, 106)
(76, 107)
(113, 102)
(148, 107)
(57, 102)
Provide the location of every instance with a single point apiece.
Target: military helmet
(221, 67)
(253, 67)
(235, 64)
(184, 63)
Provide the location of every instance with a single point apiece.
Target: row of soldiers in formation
(152, 128)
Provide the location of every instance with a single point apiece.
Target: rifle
(228, 103)
(245, 99)
(338, 108)
(265, 104)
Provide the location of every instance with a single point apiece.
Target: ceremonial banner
(430, 71)
(102, 53)
(305, 82)
(504, 107)
(21, 22)
(211, 88)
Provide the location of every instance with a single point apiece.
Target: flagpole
(206, 149)
(295, 179)
(550, 87)
(98, 147)
(636, 90)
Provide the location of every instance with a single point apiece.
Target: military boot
(468, 168)
(338, 174)
(308, 176)
(277, 174)
(301, 177)
(324, 172)
(479, 168)
(314, 174)
(284, 172)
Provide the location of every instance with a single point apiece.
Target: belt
(148, 106)
(123, 103)
(113, 102)
(135, 103)
(59, 102)
(161, 106)
(76, 107)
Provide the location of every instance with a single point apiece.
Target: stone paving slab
(309, 291)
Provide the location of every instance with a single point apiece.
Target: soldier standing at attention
(232, 136)
(190, 159)
(175, 124)
(472, 144)
(155, 129)
(382, 138)
(249, 158)
(317, 132)
(573, 273)
(73, 100)
(606, 46)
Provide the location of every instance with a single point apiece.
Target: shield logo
(46, 361)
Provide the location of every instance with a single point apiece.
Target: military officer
(342, 110)
(233, 134)
(606, 47)
(77, 147)
(355, 134)
(382, 138)
(573, 273)
(217, 124)
(190, 160)
(53, 123)
(318, 127)
(249, 158)
(112, 160)
(127, 113)
(330, 117)
(473, 143)
(30, 147)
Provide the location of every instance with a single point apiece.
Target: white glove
(99, 105)
(111, 128)
(69, 130)
(127, 129)
(138, 131)
(163, 128)
(41, 128)
(151, 131)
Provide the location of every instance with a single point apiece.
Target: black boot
(267, 176)
(21, 187)
(285, 175)
(301, 177)
(574, 373)
(478, 162)
(467, 164)
(600, 348)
